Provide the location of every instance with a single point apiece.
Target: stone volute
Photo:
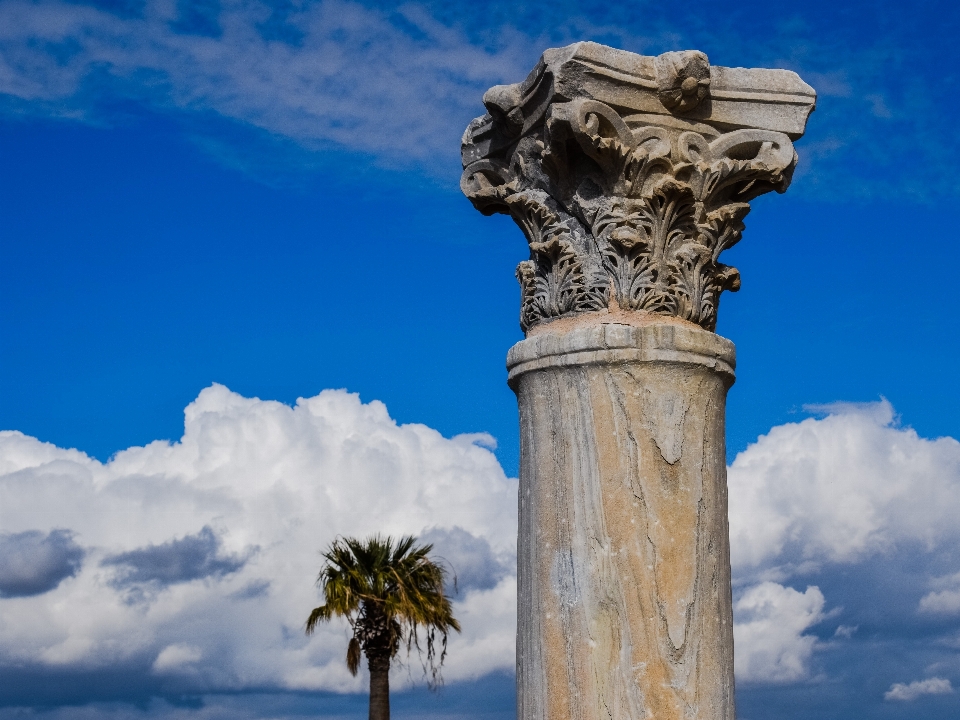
(629, 176)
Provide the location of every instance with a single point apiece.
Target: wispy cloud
(396, 85)
(905, 693)
(399, 85)
(944, 599)
(174, 658)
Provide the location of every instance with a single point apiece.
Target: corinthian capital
(629, 175)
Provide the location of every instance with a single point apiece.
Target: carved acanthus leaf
(634, 207)
(554, 282)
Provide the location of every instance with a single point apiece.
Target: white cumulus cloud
(932, 686)
(196, 559)
(842, 490)
(769, 622)
(944, 599)
(176, 656)
(200, 556)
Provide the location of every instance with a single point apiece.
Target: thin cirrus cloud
(399, 85)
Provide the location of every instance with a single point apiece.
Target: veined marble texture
(624, 573)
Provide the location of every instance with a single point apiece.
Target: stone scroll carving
(630, 175)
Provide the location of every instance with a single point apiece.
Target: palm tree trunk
(379, 688)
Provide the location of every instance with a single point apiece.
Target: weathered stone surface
(630, 175)
(624, 604)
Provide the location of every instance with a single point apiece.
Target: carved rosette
(626, 211)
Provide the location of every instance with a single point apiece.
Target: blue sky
(265, 196)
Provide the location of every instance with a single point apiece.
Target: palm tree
(387, 592)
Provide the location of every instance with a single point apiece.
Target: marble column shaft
(624, 601)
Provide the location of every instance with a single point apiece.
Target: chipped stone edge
(613, 344)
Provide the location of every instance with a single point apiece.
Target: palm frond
(317, 615)
(353, 656)
(389, 591)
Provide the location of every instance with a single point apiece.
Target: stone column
(628, 175)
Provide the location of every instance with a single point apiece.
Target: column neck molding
(610, 343)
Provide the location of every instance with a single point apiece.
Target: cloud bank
(810, 502)
(199, 557)
(191, 564)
